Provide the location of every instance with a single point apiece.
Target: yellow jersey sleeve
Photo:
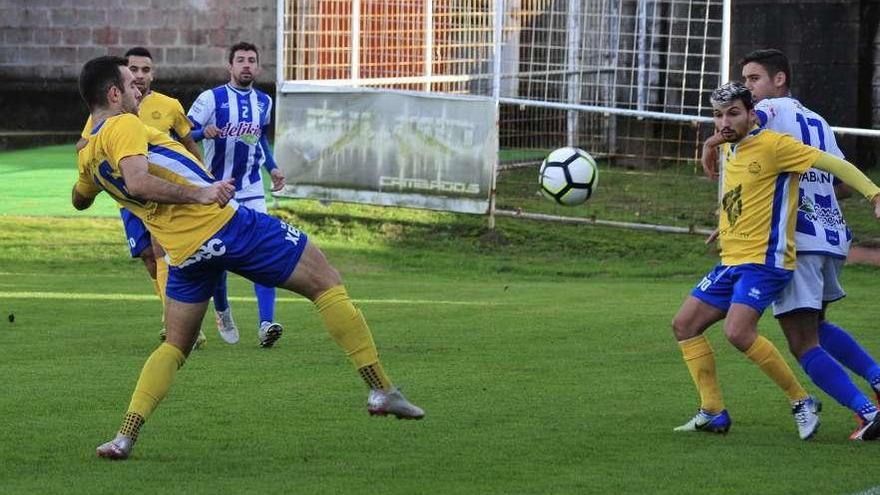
(793, 155)
(87, 129)
(182, 126)
(127, 137)
(85, 186)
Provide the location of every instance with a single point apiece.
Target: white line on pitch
(150, 297)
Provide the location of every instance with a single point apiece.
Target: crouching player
(204, 232)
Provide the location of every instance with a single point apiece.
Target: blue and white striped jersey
(821, 228)
(242, 146)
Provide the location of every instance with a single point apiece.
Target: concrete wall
(45, 43)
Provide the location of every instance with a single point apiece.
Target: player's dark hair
(98, 75)
(772, 60)
(727, 93)
(139, 51)
(243, 46)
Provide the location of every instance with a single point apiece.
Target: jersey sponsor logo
(813, 176)
(248, 132)
(291, 233)
(754, 168)
(732, 204)
(208, 250)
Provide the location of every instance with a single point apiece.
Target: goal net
(625, 80)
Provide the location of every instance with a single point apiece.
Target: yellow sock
(700, 360)
(155, 380)
(767, 357)
(347, 326)
(161, 281)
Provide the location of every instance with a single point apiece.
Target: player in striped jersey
(756, 232)
(164, 114)
(233, 120)
(204, 232)
(822, 240)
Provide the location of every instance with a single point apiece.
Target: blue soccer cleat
(707, 422)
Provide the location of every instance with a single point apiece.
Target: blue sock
(266, 302)
(848, 352)
(828, 375)
(221, 303)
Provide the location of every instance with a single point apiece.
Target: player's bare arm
(143, 185)
(710, 155)
(80, 201)
(190, 144)
(277, 179)
(211, 131)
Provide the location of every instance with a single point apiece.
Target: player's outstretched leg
(223, 313)
(315, 279)
(269, 331)
(183, 321)
(848, 352)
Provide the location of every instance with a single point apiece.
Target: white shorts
(256, 204)
(815, 282)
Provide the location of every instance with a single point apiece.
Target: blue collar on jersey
(239, 91)
(98, 127)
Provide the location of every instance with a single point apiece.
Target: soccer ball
(568, 176)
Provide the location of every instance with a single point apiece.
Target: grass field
(542, 356)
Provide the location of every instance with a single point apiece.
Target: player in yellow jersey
(164, 114)
(204, 232)
(756, 232)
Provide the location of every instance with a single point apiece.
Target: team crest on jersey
(754, 168)
(732, 204)
(156, 115)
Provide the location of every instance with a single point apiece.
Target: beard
(244, 80)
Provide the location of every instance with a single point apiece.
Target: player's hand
(876, 201)
(219, 192)
(710, 156)
(211, 131)
(277, 179)
(712, 237)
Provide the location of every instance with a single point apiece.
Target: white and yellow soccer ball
(568, 176)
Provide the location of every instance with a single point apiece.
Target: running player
(757, 257)
(233, 120)
(205, 232)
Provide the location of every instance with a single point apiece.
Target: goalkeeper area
(542, 354)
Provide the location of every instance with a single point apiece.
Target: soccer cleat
(226, 326)
(806, 416)
(867, 430)
(708, 422)
(117, 449)
(269, 333)
(382, 403)
(162, 334)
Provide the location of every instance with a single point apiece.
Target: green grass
(542, 355)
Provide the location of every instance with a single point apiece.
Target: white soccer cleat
(806, 416)
(382, 403)
(200, 342)
(707, 422)
(269, 333)
(226, 326)
(117, 449)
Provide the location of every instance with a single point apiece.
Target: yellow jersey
(759, 205)
(160, 112)
(180, 228)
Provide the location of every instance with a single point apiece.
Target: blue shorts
(254, 245)
(136, 232)
(751, 284)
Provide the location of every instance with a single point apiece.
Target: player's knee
(741, 338)
(683, 329)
